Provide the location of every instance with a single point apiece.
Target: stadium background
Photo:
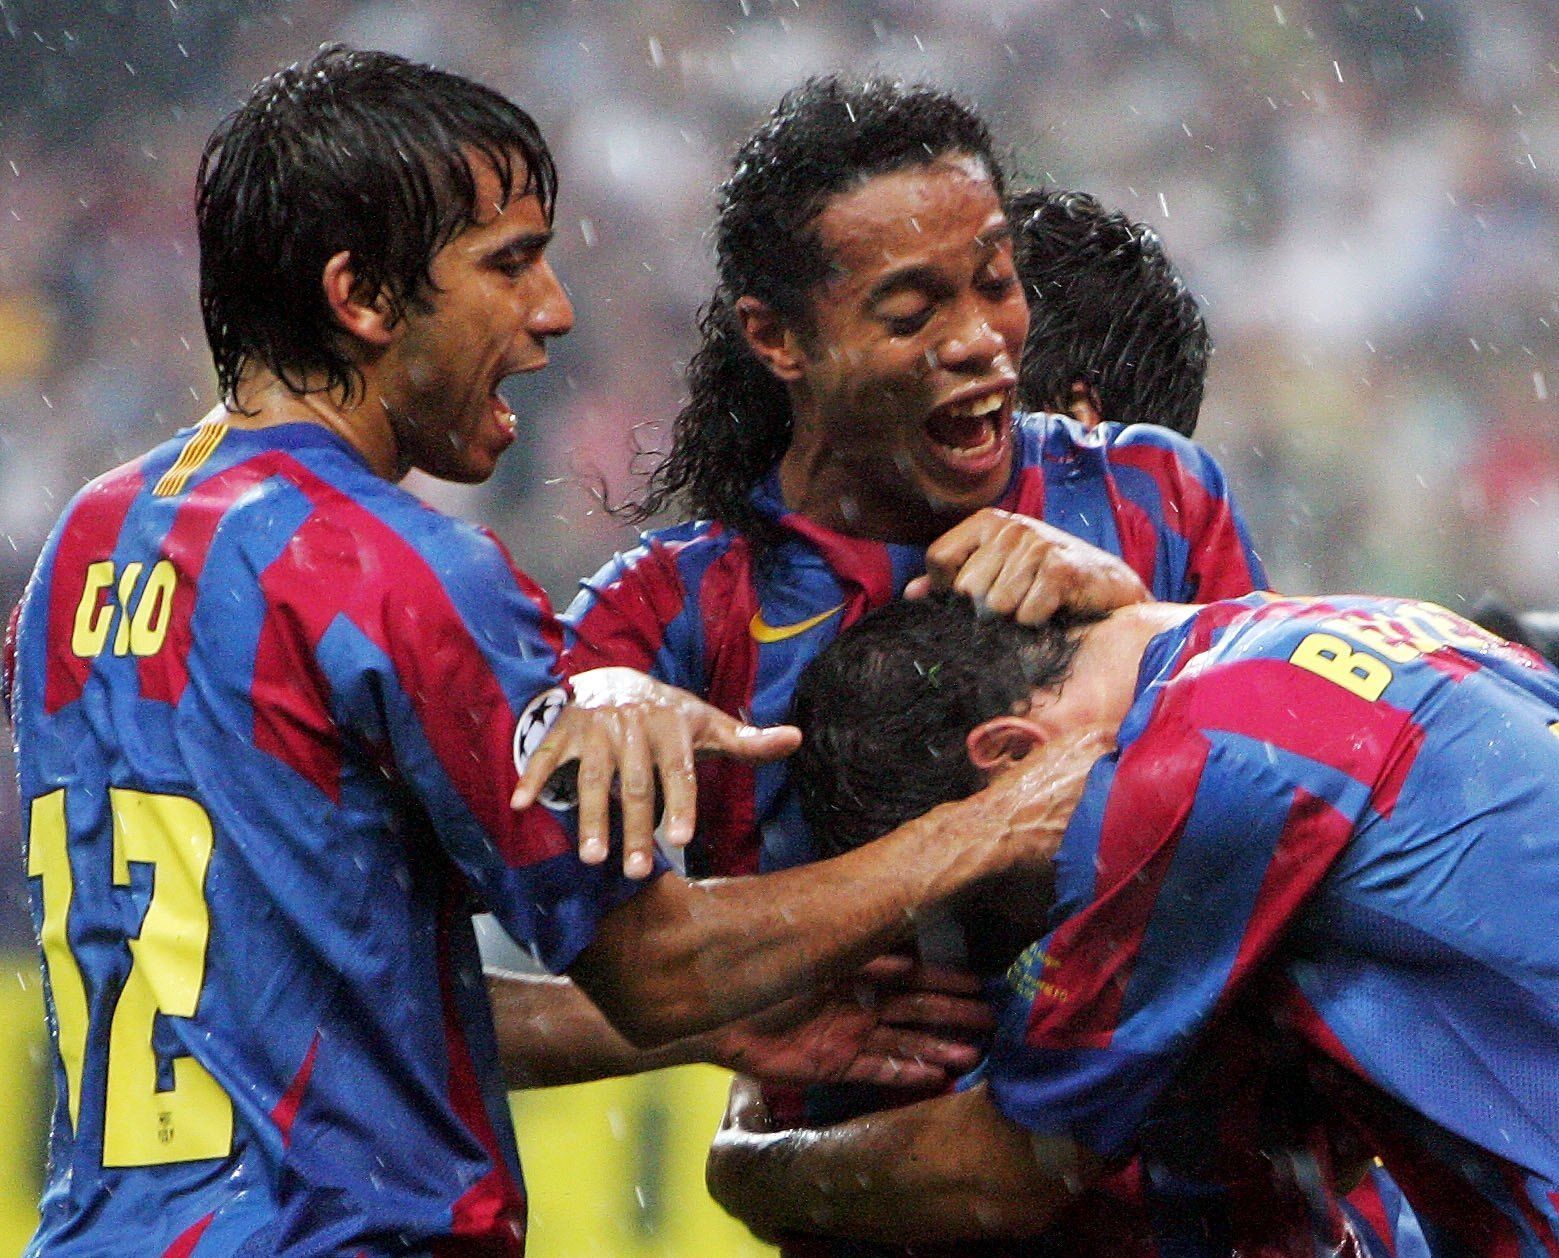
(1364, 195)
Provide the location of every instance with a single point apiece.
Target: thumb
(918, 588)
(758, 744)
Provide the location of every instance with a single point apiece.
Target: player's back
(254, 948)
(1428, 961)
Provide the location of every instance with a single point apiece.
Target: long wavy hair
(826, 136)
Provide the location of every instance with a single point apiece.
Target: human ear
(368, 319)
(776, 344)
(1083, 405)
(1002, 741)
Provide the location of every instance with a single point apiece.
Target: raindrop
(657, 54)
(1540, 386)
(1163, 204)
(587, 232)
(1338, 69)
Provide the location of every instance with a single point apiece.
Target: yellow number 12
(142, 1125)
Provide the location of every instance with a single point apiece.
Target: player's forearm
(941, 1171)
(680, 958)
(549, 1033)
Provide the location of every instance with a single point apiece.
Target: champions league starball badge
(531, 731)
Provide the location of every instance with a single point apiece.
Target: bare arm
(549, 1034)
(679, 958)
(895, 1024)
(949, 1169)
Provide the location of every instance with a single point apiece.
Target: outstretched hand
(1025, 569)
(897, 1023)
(626, 729)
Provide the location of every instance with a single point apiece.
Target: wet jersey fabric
(265, 704)
(1340, 812)
(692, 607)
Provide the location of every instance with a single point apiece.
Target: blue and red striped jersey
(692, 607)
(1341, 812)
(265, 705)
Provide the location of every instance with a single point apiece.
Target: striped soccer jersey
(265, 705)
(1341, 813)
(693, 607)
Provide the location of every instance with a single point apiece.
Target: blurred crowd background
(1364, 194)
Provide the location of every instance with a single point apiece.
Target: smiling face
(494, 303)
(902, 387)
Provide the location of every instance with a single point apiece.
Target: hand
(897, 1023)
(625, 727)
(1025, 569)
(746, 1121)
(1033, 799)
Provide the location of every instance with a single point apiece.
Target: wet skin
(902, 387)
(495, 302)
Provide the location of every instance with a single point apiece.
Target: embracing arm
(679, 957)
(549, 1034)
(894, 1023)
(949, 1169)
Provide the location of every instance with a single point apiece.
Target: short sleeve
(447, 675)
(1185, 863)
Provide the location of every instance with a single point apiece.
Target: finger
(888, 1071)
(929, 1011)
(757, 744)
(1024, 571)
(888, 967)
(673, 752)
(1040, 602)
(597, 767)
(918, 588)
(921, 1046)
(541, 765)
(948, 553)
(980, 570)
(636, 777)
(899, 971)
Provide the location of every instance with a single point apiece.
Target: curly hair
(886, 708)
(1106, 307)
(826, 136)
(364, 152)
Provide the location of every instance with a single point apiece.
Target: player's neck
(1111, 653)
(362, 423)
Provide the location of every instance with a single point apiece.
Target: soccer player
(1113, 331)
(266, 706)
(1314, 822)
(853, 400)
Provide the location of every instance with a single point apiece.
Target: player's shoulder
(1153, 440)
(665, 553)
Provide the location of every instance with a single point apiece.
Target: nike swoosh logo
(762, 631)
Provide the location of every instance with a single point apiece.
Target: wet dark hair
(358, 151)
(885, 710)
(826, 136)
(1107, 307)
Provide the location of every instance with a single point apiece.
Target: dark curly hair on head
(826, 136)
(364, 152)
(1107, 307)
(885, 710)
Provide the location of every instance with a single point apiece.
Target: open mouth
(971, 433)
(503, 413)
